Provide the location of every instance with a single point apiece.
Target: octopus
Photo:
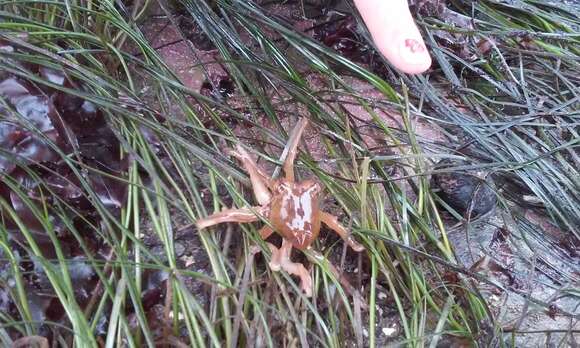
(291, 208)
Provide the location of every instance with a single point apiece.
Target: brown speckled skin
(295, 212)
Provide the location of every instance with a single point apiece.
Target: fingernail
(414, 46)
(413, 52)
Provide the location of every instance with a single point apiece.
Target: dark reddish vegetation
(343, 35)
(53, 146)
(571, 245)
(38, 123)
(340, 34)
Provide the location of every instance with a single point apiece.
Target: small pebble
(188, 260)
(179, 316)
(463, 190)
(389, 331)
(179, 249)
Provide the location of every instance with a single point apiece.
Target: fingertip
(395, 34)
(407, 54)
(414, 57)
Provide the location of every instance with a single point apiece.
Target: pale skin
(292, 209)
(395, 34)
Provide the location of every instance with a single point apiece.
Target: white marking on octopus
(284, 210)
(304, 203)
